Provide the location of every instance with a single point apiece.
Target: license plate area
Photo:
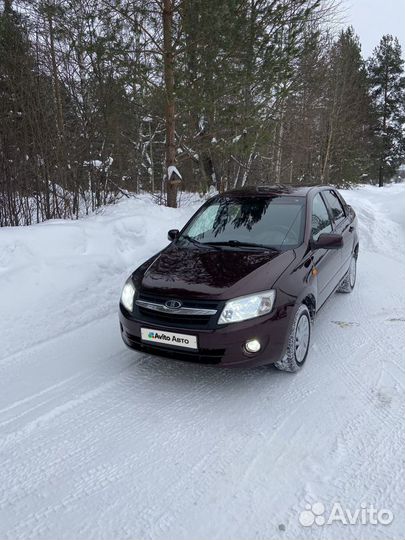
(172, 339)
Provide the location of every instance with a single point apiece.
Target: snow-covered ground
(97, 441)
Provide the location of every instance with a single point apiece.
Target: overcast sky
(373, 18)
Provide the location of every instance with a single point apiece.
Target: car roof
(274, 190)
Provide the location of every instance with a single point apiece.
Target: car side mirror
(328, 241)
(172, 234)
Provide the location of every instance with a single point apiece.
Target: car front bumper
(222, 346)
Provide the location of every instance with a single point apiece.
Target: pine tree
(386, 75)
(346, 151)
(236, 69)
(304, 112)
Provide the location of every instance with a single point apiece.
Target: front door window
(320, 218)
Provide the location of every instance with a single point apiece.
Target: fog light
(253, 346)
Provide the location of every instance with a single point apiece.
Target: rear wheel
(349, 281)
(298, 342)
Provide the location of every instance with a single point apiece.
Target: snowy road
(97, 441)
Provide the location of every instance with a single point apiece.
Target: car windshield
(275, 222)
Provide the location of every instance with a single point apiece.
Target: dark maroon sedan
(242, 282)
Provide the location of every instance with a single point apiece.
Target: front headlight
(248, 307)
(127, 295)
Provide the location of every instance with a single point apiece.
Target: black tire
(349, 280)
(294, 359)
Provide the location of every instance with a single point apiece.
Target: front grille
(196, 320)
(177, 319)
(203, 356)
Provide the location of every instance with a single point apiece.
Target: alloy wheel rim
(301, 338)
(352, 272)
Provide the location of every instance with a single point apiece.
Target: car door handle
(351, 228)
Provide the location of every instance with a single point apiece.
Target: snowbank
(75, 269)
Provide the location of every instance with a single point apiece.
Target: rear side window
(320, 218)
(336, 207)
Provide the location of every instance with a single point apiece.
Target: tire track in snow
(300, 391)
(17, 436)
(169, 496)
(54, 337)
(46, 390)
(216, 464)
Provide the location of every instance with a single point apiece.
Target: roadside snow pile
(66, 273)
(97, 441)
(381, 217)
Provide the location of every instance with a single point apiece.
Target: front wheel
(298, 342)
(349, 280)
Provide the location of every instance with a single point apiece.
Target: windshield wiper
(187, 237)
(238, 243)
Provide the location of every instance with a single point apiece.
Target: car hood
(205, 272)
